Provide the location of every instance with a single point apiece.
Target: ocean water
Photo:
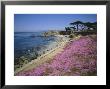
(31, 44)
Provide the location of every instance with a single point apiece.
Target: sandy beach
(47, 57)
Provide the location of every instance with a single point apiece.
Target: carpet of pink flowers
(79, 58)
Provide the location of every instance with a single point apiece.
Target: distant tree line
(82, 26)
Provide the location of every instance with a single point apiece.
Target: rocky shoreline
(33, 53)
(77, 58)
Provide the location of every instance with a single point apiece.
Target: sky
(42, 22)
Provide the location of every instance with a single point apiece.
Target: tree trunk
(77, 27)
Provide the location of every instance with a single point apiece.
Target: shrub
(72, 35)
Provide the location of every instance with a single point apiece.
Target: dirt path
(43, 58)
(47, 57)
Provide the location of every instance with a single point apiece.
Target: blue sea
(30, 44)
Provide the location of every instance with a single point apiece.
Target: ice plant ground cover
(79, 58)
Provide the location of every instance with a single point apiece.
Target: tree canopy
(80, 26)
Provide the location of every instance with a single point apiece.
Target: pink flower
(78, 58)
